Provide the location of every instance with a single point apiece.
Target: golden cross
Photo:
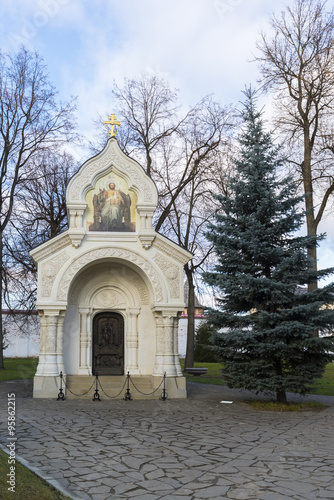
(112, 122)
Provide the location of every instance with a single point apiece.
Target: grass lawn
(213, 375)
(28, 485)
(18, 368)
(274, 406)
(323, 386)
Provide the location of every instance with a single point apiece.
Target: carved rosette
(108, 299)
(171, 273)
(50, 269)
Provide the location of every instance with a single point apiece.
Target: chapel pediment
(111, 193)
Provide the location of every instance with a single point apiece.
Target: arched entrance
(108, 344)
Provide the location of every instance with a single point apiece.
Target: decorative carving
(171, 272)
(50, 269)
(165, 248)
(168, 334)
(108, 299)
(117, 276)
(111, 158)
(48, 334)
(147, 239)
(139, 285)
(103, 253)
(63, 242)
(159, 334)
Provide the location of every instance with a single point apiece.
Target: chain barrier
(61, 394)
(148, 393)
(127, 397)
(112, 397)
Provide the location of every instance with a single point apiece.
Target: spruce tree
(266, 318)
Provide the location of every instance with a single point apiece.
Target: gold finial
(112, 122)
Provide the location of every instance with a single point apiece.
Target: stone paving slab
(194, 449)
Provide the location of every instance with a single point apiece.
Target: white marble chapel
(110, 289)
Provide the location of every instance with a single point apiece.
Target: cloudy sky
(200, 46)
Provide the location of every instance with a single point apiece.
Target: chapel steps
(112, 386)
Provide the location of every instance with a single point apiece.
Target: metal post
(96, 393)
(164, 393)
(61, 395)
(128, 396)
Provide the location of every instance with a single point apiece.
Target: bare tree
(297, 65)
(177, 149)
(204, 137)
(31, 122)
(39, 214)
(148, 108)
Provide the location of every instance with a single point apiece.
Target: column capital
(84, 310)
(134, 311)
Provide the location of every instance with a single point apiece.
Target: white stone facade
(129, 271)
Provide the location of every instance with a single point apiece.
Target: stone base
(83, 387)
(46, 387)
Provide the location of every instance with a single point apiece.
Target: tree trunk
(309, 205)
(1, 324)
(280, 393)
(281, 397)
(189, 361)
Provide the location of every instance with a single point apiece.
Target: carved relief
(48, 334)
(171, 272)
(114, 159)
(110, 253)
(108, 299)
(49, 271)
(113, 276)
(84, 179)
(63, 242)
(168, 334)
(160, 334)
(140, 286)
(166, 249)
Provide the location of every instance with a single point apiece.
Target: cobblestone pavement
(195, 449)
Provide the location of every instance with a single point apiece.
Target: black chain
(144, 393)
(83, 393)
(112, 397)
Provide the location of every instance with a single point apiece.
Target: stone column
(46, 380)
(48, 357)
(176, 346)
(132, 341)
(85, 366)
(164, 358)
(60, 336)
